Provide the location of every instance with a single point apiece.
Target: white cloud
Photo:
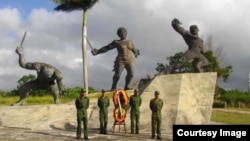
(10, 20)
(55, 37)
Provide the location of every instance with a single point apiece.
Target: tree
(214, 66)
(72, 5)
(215, 56)
(24, 79)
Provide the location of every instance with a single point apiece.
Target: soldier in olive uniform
(82, 104)
(156, 105)
(103, 104)
(135, 103)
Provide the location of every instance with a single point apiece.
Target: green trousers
(80, 121)
(156, 124)
(134, 118)
(103, 118)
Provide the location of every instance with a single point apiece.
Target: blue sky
(25, 6)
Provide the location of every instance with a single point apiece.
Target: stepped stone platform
(187, 99)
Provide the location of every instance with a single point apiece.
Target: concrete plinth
(188, 99)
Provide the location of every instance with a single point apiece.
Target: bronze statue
(124, 59)
(48, 78)
(195, 48)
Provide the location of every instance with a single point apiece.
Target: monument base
(188, 99)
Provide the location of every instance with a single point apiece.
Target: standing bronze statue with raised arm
(48, 78)
(195, 48)
(124, 59)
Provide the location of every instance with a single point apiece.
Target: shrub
(218, 104)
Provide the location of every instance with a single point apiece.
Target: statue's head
(122, 32)
(194, 29)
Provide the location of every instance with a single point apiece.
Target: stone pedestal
(188, 99)
(38, 117)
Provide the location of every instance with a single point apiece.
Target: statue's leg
(23, 92)
(130, 67)
(185, 58)
(201, 63)
(205, 63)
(118, 71)
(53, 89)
(198, 67)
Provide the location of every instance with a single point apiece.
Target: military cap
(83, 90)
(103, 91)
(135, 90)
(157, 92)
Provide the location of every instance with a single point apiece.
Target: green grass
(47, 99)
(31, 100)
(241, 109)
(7, 100)
(231, 117)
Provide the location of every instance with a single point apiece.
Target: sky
(55, 37)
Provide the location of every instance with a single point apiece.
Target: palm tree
(71, 5)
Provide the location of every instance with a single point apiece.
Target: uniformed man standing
(156, 105)
(103, 104)
(82, 104)
(135, 103)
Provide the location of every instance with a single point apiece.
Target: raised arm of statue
(176, 25)
(185, 33)
(21, 60)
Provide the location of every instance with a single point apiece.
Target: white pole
(84, 55)
(119, 102)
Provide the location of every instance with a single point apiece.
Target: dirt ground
(18, 134)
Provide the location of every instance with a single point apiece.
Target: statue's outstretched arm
(103, 49)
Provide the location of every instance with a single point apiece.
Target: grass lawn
(47, 99)
(31, 100)
(237, 116)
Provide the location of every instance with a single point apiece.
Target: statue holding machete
(124, 60)
(48, 78)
